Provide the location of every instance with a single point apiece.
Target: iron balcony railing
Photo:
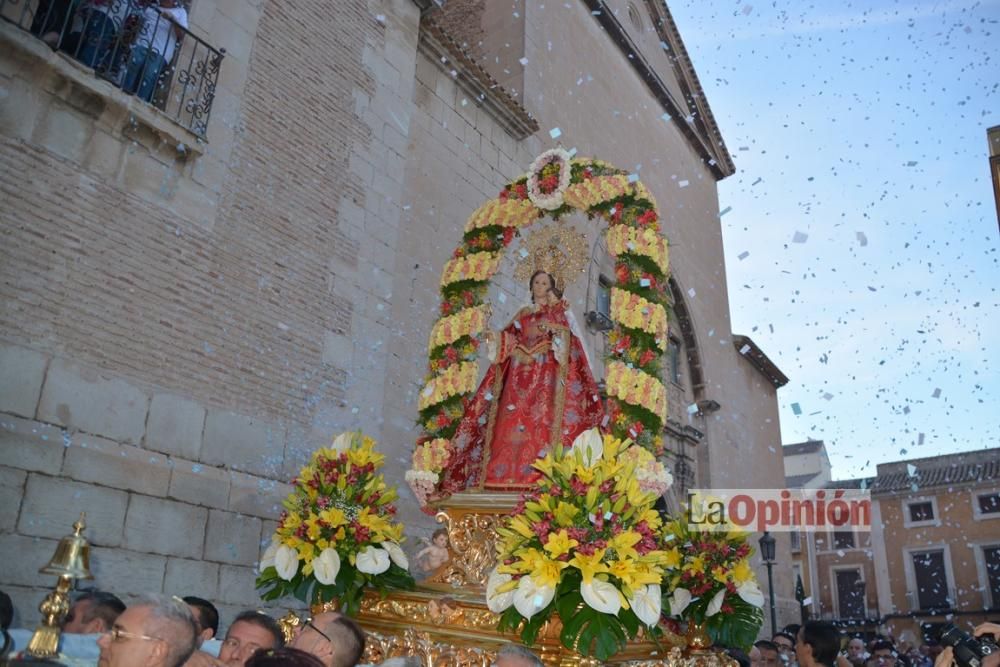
(139, 46)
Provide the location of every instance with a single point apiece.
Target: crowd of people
(822, 644)
(167, 631)
(131, 42)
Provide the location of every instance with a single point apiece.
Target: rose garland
(555, 185)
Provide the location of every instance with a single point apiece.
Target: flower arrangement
(429, 460)
(586, 545)
(555, 185)
(713, 583)
(548, 178)
(336, 535)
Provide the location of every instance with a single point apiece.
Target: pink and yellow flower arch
(555, 185)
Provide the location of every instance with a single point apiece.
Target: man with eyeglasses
(157, 631)
(333, 638)
(786, 648)
(249, 632)
(764, 654)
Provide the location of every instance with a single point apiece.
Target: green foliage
(347, 590)
(738, 628)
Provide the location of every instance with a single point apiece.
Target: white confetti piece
(725, 210)
(744, 349)
(692, 409)
(800, 237)
(936, 394)
(683, 184)
(862, 239)
(380, 18)
(691, 292)
(632, 178)
(555, 133)
(796, 409)
(743, 255)
(523, 61)
(665, 118)
(911, 470)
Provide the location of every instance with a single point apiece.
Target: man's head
(818, 644)
(333, 638)
(206, 615)
(516, 655)
(249, 631)
(92, 612)
(157, 631)
(767, 654)
(786, 646)
(855, 649)
(883, 654)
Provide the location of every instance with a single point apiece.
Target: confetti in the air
(555, 133)
(800, 237)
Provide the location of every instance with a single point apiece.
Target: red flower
(621, 273)
(452, 354)
(442, 420)
(587, 174)
(504, 194)
(508, 235)
(647, 218)
(638, 428)
(458, 252)
(549, 183)
(467, 297)
(651, 279)
(646, 357)
(445, 308)
(521, 190)
(616, 213)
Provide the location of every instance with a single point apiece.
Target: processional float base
(446, 622)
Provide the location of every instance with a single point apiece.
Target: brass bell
(72, 556)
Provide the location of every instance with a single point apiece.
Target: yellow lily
(559, 543)
(589, 565)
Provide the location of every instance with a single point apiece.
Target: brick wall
(177, 332)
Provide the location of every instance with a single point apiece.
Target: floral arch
(555, 185)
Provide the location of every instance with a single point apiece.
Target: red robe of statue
(539, 392)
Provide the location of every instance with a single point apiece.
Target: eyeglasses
(309, 624)
(117, 635)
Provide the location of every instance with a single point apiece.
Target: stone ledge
(128, 110)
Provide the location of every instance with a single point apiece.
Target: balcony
(141, 47)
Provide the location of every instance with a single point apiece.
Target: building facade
(197, 294)
(932, 556)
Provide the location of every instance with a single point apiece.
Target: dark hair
(882, 645)
(106, 606)
(207, 616)
(766, 645)
(789, 637)
(824, 638)
(6, 611)
(792, 629)
(283, 657)
(262, 620)
(552, 283)
(439, 531)
(739, 656)
(349, 640)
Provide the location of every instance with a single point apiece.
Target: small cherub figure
(436, 554)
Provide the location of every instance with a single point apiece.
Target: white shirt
(158, 32)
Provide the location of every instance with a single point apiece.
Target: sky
(860, 229)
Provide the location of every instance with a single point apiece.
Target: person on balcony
(160, 27)
(96, 30)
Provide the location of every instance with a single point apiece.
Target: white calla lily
(647, 603)
(601, 596)
(590, 444)
(286, 562)
(530, 598)
(326, 566)
(342, 442)
(372, 560)
(715, 604)
(267, 560)
(679, 601)
(397, 554)
(498, 602)
(751, 593)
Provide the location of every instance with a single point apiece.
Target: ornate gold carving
(379, 647)
(288, 623)
(473, 539)
(558, 250)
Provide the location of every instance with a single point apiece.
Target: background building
(932, 557)
(198, 291)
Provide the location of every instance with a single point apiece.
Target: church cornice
(482, 89)
(701, 131)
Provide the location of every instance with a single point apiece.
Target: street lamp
(767, 543)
